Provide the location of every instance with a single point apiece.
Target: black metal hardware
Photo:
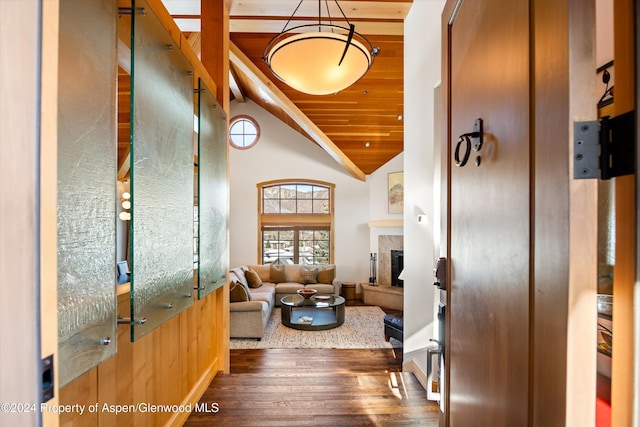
(129, 11)
(478, 136)
(46, 368)
(604, 149)
(440, 273)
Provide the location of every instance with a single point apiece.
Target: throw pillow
(238, 293)
(326, 276)
(293, 273)
(277, 274)
(253, 278)
(262, 270)
(308, 275)
(240, 274)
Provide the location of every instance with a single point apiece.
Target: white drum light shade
(310, 61)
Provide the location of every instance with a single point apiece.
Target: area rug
(362, 328)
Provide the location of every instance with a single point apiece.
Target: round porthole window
(244, 132)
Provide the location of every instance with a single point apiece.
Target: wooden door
(489, 207)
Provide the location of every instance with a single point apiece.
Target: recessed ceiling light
(367, 144)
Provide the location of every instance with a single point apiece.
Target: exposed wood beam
(240, 60)
(249, 25)
(124, 56)
(353, 9)
(195, 41)
(235, 87)
(123, 167)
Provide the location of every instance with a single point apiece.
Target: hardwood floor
(316, 387)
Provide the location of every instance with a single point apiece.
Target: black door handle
(465, 138)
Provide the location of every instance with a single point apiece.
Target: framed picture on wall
(396, 192)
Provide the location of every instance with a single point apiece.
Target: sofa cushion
(293, 273)
(238, 292)
(253, 279)
(308, 275)
(263, 271)
(263, 296)
(326, 275)
(276, 273)
(288, 288)
(322, 288)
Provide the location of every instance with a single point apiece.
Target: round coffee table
(318, 313)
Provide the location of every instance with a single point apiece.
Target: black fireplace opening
(397, 264)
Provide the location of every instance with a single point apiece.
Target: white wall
(282, 153)
(379, 201)
(421, 75)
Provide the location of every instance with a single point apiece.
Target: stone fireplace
(383, 294)
(385, 245)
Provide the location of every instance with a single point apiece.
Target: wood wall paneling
(159, 369)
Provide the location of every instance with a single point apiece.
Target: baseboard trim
(416, 370)
(194, 395)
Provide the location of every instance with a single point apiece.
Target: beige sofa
(264, 287)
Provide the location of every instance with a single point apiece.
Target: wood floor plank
(316, 387)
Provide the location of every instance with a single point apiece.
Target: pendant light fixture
(322, 58)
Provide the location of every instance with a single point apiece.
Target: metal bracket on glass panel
(128, 11)
(127, 321)
(604, 149)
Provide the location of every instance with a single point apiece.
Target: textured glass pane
(86, 186)
(161, 175)
(213, 255)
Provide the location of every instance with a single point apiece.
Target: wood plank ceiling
(370, 111)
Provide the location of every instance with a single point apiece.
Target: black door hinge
(606, 148)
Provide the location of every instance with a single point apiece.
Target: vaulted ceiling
(361, 127)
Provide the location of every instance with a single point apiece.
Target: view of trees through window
(296, 224)
(295, 246)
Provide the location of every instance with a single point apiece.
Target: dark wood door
(490, 220)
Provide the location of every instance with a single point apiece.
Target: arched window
(296, 222)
